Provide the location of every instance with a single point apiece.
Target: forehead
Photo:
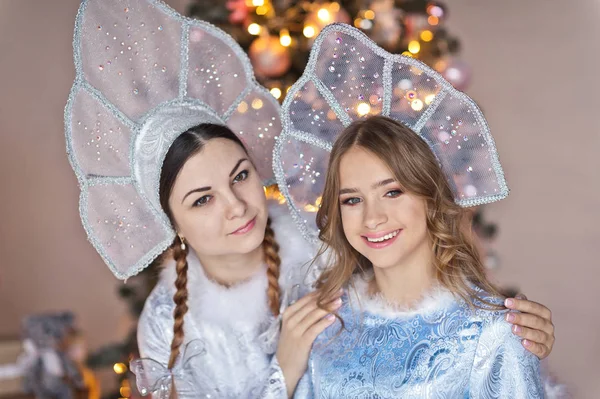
(216, 159)
(359, 164)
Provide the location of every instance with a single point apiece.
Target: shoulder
(155, 325)
(496, 336)
(160, 301)
(485, 307)
(502, 367)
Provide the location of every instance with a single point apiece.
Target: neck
(229, 270)
(408, 281)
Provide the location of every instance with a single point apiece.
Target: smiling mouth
(245, 228)
(384, 238)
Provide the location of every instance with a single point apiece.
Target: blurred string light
(414, 47)
(416, 105)
(284, 38)
(262, 10)
(276, 92)
(363, 109)
(309, 31)
(242, 107)
(324, 15)
(120, 368)
(426, 36)
(254, 29)
(257, 103)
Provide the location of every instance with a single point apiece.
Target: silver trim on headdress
(144, 75)
(349, 77)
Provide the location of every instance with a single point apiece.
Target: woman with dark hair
(171, 148)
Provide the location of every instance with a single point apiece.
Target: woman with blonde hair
(419, 318)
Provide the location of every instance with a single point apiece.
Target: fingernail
(338, 302)
(330, 317)
(527, 343)
(510, 317)
(509, 302)
(516, 329)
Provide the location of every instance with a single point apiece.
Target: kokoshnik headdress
(348, 77)
(144, 75)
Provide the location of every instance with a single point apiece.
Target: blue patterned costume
(443, 348)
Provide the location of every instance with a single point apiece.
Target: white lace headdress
(144, 75)
(349, 77)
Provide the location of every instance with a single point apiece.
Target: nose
(236, 206)
(374, 215)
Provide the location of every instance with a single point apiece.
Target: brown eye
(202, 201)
(243, 175)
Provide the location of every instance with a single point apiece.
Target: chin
(248, 245)
(384, 262)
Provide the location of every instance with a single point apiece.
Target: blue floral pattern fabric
(446, 349)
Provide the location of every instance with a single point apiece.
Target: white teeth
(384, 238)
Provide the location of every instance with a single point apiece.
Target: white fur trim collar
(437, 299)
(244, 304)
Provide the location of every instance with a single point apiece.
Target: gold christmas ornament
(269, 57)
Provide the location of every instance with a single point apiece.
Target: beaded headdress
(144, 75)
(348, 77)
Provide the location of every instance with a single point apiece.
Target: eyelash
(240, 177)
(399, 192)
(245, 173)
(396, 194)
(347, 201)
(205, 199)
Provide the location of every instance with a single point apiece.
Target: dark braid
(273, 261)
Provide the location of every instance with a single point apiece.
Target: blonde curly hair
(457, 262)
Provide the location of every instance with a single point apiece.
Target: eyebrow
(197, 190)
(374, 186)
(237, 165)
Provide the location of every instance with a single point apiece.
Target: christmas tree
(278, 34)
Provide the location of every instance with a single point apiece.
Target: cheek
(201, 229)
(258, 196)
(418, 219)
(351, 224)
(252, 192)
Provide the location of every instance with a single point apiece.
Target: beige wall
(536, 81)
(536, 66)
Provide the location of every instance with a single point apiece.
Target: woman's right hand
(302, 322)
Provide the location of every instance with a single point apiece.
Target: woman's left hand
(533, 324)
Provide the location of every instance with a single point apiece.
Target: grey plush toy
(49, 373)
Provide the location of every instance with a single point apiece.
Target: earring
(182, 242)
